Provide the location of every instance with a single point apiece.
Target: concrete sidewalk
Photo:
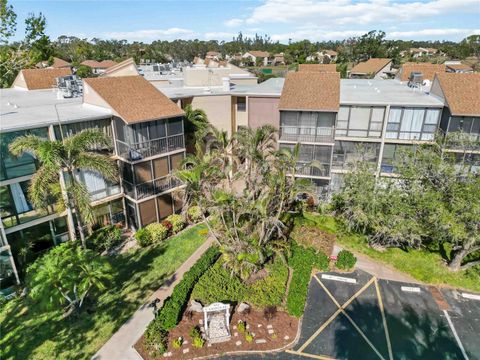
(120, 345)
(379, 270)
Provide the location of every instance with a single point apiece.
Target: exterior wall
(129, 70)
(244, 81)
(20, 81)
(262, 111)
(218, 110)
(382, 73)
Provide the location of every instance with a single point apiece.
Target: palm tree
(65, 157)
(196, 126)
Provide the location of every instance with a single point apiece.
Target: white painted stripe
(471, 296)
(462, 349)
(410, 289)
(339, 278)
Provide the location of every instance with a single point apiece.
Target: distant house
(279, 59)
(458, 67)
(419, 52)
(213, 55)
(374, 68)
(124, 68)
(98, 67)
(57, 64)
(251, 57)
(322, 54)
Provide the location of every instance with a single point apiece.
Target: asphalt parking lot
(356, 316)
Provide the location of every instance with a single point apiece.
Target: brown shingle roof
(91, 63)
(43, 78)
(317, 67)
(459, 67)
(258, 53)
(461, 92)
(133, 98)
(371, 66)
(318, 91)
(427, 69)
(60, 63)
(104, 64)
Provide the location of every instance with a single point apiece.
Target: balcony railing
(306, 134)
(150, 188)
(149, 148)
(323, 170)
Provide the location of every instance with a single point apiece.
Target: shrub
(104, 238)
(270, 290)
(194, 332)
(198, 342)
(143, 237)
(167, 224)
(156, 339)
(194, 214)
(345, 260)
(269, 312)
(177, 221)
(249, 337)
(217, 284)
(241, 326)
(302, 262)
(157, 231)
(170, 313)
(177, 343)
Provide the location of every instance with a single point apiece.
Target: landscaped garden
(31, 331)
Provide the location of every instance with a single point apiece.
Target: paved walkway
(378, 269)
(120, 345)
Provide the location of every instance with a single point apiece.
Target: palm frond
(87, 139)
(97, 163)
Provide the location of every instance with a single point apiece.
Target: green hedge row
(302, 261)
(170, 313)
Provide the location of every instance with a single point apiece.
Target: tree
(67, 275)
(245, 184)
(68, 156)
(8, 22)
(434, 199)
(84, 71)
(196, 125)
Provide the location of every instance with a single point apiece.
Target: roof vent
(415, 79)
(69, 86)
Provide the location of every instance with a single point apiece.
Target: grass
(29, 332)
(424, 265)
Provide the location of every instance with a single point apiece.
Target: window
(391, 153)
(157, 129)
(348, 152)
(174, 126)
(412, 123)
(358, 121)
(241, 104)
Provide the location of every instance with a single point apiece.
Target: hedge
(170, 313)
(302, 261)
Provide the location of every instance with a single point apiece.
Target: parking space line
(384, 320)
(320, 357)
(470, 296)
(459, 343)
(340, 309)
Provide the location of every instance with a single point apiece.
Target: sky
(315, 20)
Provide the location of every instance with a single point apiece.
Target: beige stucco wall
(436, 89)
(244, 81)
(218, 110)
(20, 81)
(263, 110)
(128, 70)
(381, 73)
(91, 97)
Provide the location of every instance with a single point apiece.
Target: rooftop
(461, 92)
(311, 91)
(35, 79)
(31, 109)
(318, 67)
(133, 98)
(427, 69)
(371, 66)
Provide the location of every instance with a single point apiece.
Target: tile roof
(133, 98)
(371, 66)
(318, 91)
(43, 78)
(461, 93)
(60, 63)
(104, 64)
(258, 53)
(427, 69)
(90, 63)
(317, 67)
(459, 67)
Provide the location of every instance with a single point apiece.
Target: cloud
(219, 35)
(315, 34)
(342, 12)
(427, 33)
(151, 34)
(233, 22)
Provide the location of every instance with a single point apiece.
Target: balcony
(323, 170)
(306, 134)
(142, 150)
(150, 188)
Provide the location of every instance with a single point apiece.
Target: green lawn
(423, 265)
(30, 333)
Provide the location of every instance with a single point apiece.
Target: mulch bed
(284, 327)
(311, 236)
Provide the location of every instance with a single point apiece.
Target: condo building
(335, 121)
